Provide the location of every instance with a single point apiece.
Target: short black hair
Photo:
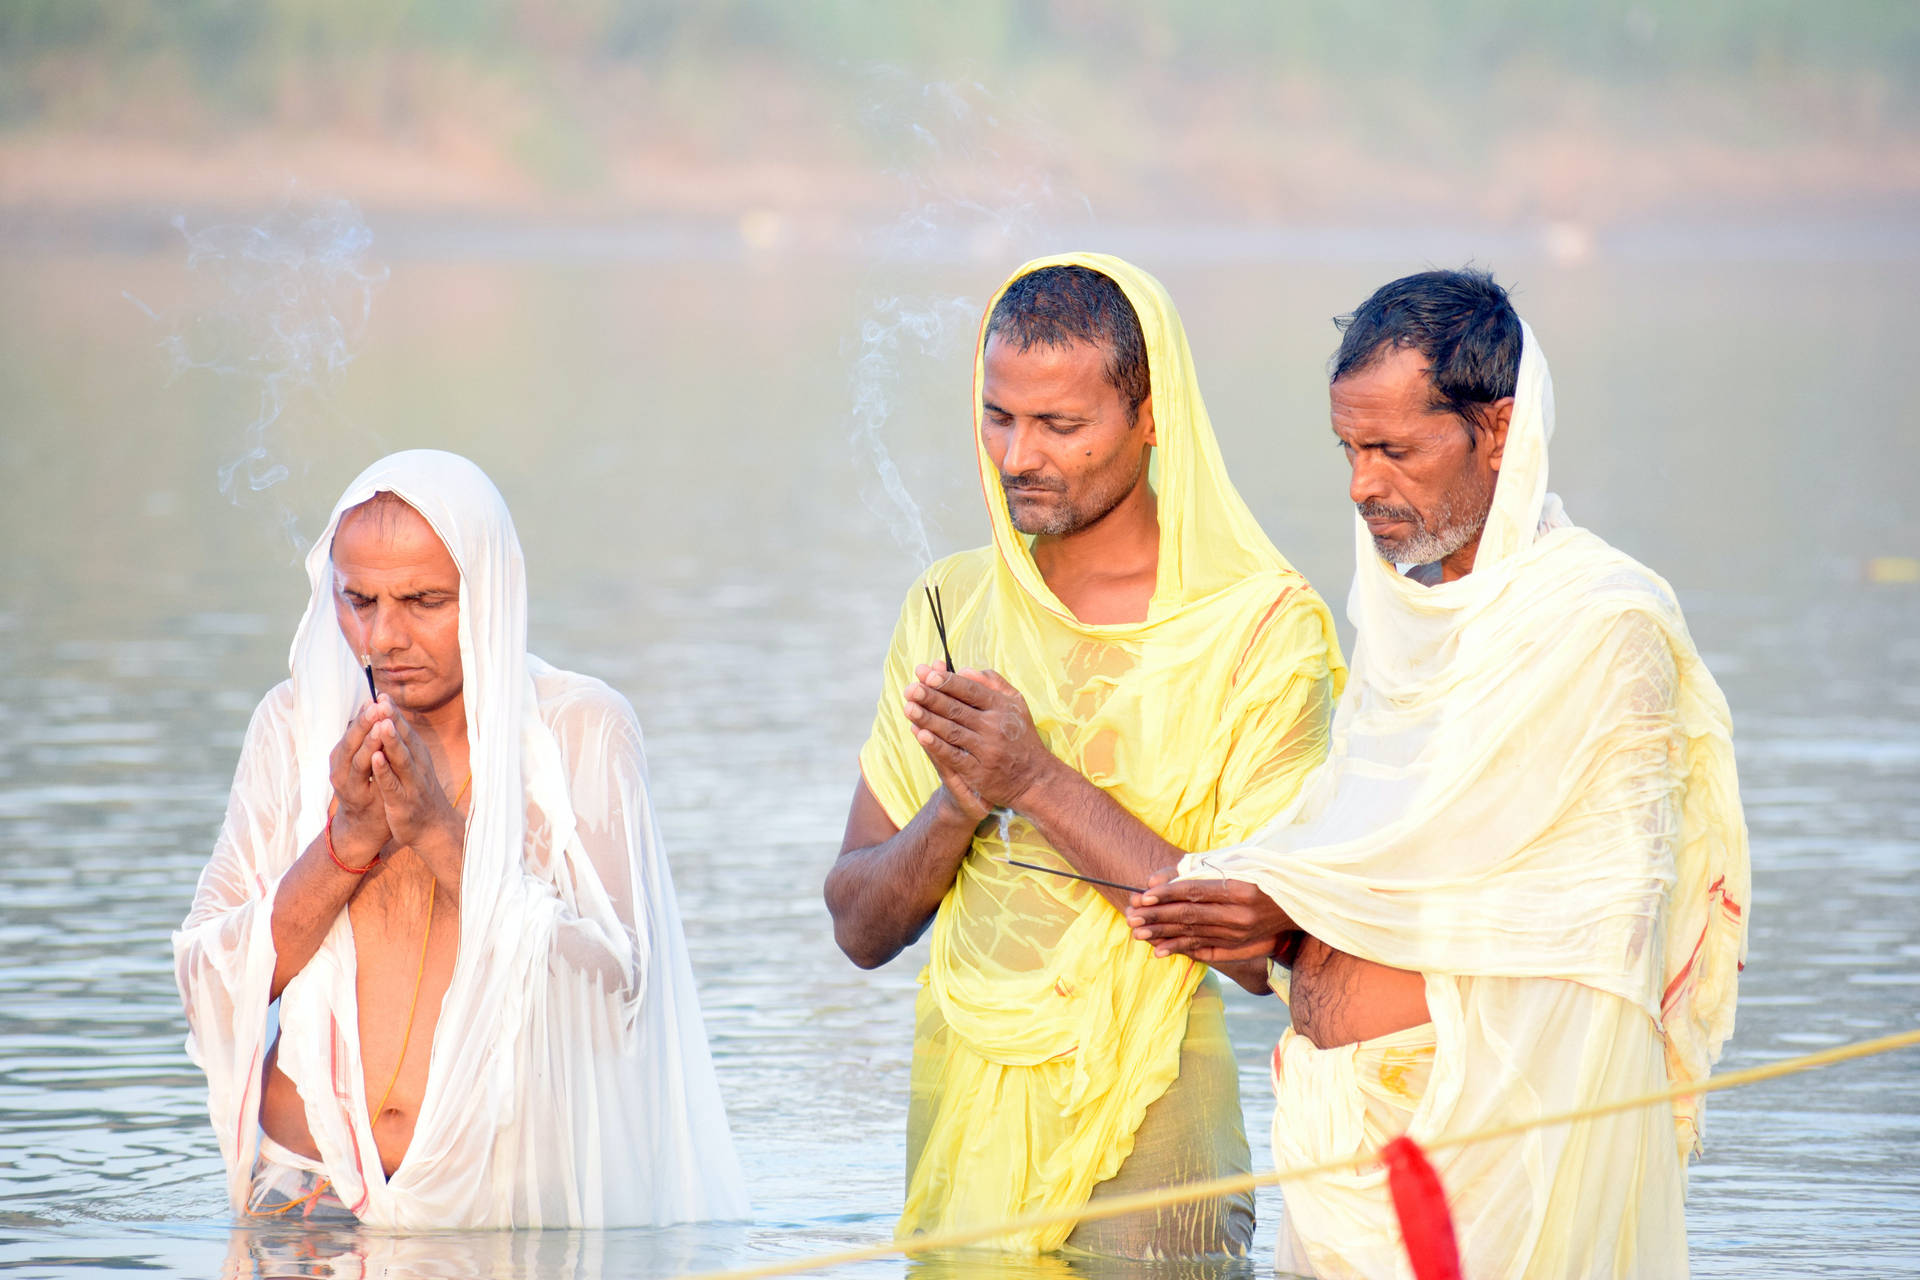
(1059, 306)
(1461, 321)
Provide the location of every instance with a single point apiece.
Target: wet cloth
(1530, 798)
(1191, 1133)
(570, 1083)
(1345, 1103)
(1045, 1031)
(286, 1184)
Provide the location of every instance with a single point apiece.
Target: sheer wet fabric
(570, 1083)
(1045, 1031)
(1531, 799)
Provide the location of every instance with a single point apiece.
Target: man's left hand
(404, 775)
(977, 726)
(1213, 921)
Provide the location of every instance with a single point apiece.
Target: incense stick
(1072, 875)
(366, 665)
(940, 624)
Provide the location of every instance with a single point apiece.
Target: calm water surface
(673, 442)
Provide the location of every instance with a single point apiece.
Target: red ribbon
(1421, 1205)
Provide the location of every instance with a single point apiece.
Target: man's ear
(1498, 418)
(1146, 416)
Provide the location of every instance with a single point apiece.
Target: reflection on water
(672, 440)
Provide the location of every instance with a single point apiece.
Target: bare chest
(406, 937)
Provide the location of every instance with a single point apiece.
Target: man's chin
(1392, 550)
(419, 698)
(1037, 519)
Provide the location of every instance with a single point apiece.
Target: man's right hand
(315, 889)
(1212, 920)
(359, 823)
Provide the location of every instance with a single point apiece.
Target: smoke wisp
(278, 308)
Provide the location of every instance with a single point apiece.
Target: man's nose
(386, 630)
(1368, 482)
(1020, 456)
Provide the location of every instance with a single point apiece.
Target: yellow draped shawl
(1045, 1030)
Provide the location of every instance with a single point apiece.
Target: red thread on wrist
(352, 871)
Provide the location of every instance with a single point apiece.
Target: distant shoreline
(147, 228)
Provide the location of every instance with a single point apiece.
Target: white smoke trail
(279, 306)
(925, 327)
(968, 197)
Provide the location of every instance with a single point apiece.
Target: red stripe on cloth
(1258, 630)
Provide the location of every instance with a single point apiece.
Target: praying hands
(417, 805)
(976, 729)
(389, 796)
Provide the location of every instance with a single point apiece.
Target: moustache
(1031, 484)
(1386, 511)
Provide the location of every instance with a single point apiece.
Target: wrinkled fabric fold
(1045, 1031)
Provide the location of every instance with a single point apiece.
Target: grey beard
(1425, 544)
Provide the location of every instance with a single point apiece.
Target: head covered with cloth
(569, 1082)
(1045, 1034)
(1530, 800)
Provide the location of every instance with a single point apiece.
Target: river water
(673, 438)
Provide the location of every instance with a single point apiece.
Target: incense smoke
(927, 328)
(968, 198)
(279, 307)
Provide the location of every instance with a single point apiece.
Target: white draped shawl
(1530, 798)
(569, 1082)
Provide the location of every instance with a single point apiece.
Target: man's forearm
(1093, 831)
(311, 894)
(882, 896)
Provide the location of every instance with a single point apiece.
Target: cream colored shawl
(1531, 777)
(569, 1083)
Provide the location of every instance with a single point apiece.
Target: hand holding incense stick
(1072, 875)
(940, 624)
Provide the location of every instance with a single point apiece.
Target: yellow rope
(1117, 1206)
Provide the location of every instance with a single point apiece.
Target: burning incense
(940, 623)
(1072, 875)
(366, 665)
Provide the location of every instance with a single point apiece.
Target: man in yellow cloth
(1134, 656)
(1518, 885)
(454, 898)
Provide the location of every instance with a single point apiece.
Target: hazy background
(780, 117)
(696, 285)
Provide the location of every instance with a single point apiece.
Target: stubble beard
(1068, 517)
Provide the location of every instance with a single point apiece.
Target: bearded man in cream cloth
(1174, 678)
(1518, 885)
(455, 894)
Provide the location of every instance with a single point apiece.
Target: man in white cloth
(1517, 885)
(456, 895)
